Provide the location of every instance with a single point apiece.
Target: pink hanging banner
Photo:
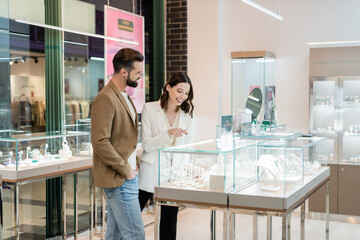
(126, 26)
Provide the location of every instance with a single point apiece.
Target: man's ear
(123, 72)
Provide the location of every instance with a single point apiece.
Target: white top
(154, 136)
(132, 157)
(174, 125)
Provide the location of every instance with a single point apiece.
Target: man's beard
(130, 83)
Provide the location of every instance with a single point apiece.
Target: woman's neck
(171, 107)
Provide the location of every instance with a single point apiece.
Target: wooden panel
(349, 190)
(317, 202)
(252, 54)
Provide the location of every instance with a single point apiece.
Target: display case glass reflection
(207, 167)
(285, 164)
(250, 70)
(323, 107)
(335, 113)
(19, 151)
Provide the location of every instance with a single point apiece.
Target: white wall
(248, 29)
(27, 77)
(202, 63)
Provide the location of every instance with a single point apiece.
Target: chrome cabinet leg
(232, 226)
(213, 225)
(288, 221)
(156, 220)
(302, 222)
(255, 227)
(269, 227)
(64, 206)
(284, 225)
(226, 225)
(16, 213)
(327, 209)
(2, 214)
(76, 215)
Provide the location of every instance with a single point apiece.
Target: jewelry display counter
(335, 113)
(255, 201)
(281, 172)
(31, 157)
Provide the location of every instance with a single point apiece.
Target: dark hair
(179, 77)
(125, 58)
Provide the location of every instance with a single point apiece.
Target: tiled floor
(194, 224)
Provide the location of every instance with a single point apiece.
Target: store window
(24, 80)
(5, 101)
(83, 54)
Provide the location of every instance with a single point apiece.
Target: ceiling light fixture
(334, 43)
(73, 31)
(265, 10)
(97, 58)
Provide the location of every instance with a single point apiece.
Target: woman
(165, 123)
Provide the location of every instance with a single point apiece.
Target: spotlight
(11, 62)
(36, 60)
(86, 61)
(69, 59)
(75, 59)
(16, 61)
(23, 59)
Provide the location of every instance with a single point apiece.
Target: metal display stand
(63, 169)
(250, 200)
(213, 201)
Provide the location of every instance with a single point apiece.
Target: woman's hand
(176, 132)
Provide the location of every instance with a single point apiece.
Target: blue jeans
(124, 220)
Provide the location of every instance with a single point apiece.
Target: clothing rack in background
(77, 108)
(28, 112)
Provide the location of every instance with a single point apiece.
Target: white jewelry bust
(65, 152)
(267, 162)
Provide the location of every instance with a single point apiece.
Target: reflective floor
(192, 223)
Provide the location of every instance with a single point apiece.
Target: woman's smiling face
(179, 93)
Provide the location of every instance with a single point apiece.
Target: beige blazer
(113, 137)
(154, 136)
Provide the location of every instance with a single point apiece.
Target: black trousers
(168, 217)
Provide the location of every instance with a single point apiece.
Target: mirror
(254, 102)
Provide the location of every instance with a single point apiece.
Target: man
(114, 131)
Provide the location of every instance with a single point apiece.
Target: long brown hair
(179, 77)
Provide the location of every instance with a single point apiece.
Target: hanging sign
(124, 30)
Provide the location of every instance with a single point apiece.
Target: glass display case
(207, 167)
(284, 164)
(249, 70)
(283, 159)
(335, 113)
(24, 155)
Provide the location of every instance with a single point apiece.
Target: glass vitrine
(249, 70)
(350, 119)
(285, 164)
(24, 151)
(335, 114)
(207, 167)
(323, 106)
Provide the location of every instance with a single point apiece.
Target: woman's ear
(168, 87)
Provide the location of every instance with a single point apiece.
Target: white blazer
(154, 135)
